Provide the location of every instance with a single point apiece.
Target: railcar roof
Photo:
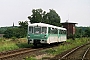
(46, 25)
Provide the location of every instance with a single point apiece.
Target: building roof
(68, 23)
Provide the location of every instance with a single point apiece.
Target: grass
(64, 47)
(30, 58)
(10, 44)
(72, 44)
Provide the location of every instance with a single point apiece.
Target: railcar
(41, 33)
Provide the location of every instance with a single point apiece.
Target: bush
(14, 38)
(15, 32)
(72, 36)
(8, 33)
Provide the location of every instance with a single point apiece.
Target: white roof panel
(46, 25)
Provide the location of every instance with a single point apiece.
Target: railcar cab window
(30, 29)
(44, 30)
(37, 29)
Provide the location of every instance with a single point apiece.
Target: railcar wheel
(35, 44)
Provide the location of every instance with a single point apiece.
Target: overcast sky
(18, 10)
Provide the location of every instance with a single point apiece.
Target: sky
(13, 11)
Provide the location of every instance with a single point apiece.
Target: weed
(72, 44)
(30, 58)
(10, 44)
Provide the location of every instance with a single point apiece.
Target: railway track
(85, 54)
(79, 53)
(14, 53)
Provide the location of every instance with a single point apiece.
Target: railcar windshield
(37, 30)
(44, 30)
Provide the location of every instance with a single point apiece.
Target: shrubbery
(15, 32)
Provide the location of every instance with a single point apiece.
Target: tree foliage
(87, 32)
(2, 30)
(8, 33)
(38, 15)
(18, 32)
(53, 17)
(14, 32)
(23, 27)
(82, 32)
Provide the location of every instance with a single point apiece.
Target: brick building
(70, 27)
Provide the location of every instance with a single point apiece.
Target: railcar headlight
(45, 36)
(28, 36)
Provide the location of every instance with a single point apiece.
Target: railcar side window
(54, 31)
(65, 31)
(44, 30)
(30, 29)
(49, 29)
(60, 31)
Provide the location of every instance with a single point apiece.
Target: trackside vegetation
(64, 47)
(70, 44)
(15, 43)
(10, 44)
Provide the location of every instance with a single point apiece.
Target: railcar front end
(37, 35)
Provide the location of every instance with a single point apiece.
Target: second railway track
(79, 53)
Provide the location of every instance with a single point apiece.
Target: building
(70, 27)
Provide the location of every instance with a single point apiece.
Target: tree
(53, 17)
(2, 30)
(87, 32)
(23, 27)
(18, 32)
(39, 15)
(8, 33)
(82, 32)
(15, 32)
